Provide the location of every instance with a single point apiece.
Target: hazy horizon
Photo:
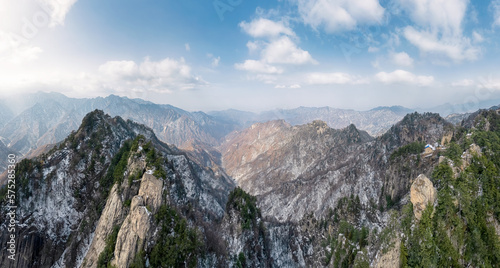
(456, 108)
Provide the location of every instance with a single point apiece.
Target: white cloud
(264, 28)
(454, 48)
(438, 29)
(252, 46)
(275, 47)
(339, 15)
(187, 47)
(166, 75)
(215, 60)
(58, 10)
(284, 51)
(294, 86)
(15, 50)
(443, 16)
(477, 37)
(258, 67)
(401, 59)
(330, 78)
(490, 83)
(401, 76)
(22, 21)
(120, 69)
(463, 83)
(495, 5)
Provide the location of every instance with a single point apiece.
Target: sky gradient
(255, 55)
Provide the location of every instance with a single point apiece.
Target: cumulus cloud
(264, 28)
(438, 29)
(187, 47)
(339, 15)
(276, 45)
(405, 77)
(284, 50)
(254, 46)
(454, 48)
(401, 59)
(255, 66)
(166, 75)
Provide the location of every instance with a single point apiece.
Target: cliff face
(112, 215)
(422, 194)
(136, 227)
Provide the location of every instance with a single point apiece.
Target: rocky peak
(422, 194)
(427, 128)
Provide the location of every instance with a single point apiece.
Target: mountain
(295, 170)
(53, 116)
(5, 114)
(46, 122)
(41, 118)
(375, 121)
(471, 106)
(70, 198)
(457, 118)
(311, 196)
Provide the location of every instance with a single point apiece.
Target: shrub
(109, 250)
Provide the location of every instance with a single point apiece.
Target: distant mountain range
(375, 121)
(32, 121)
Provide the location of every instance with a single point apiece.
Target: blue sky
(255, 55)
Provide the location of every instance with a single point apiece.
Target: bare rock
(111, 216)
(422, 192)
(469, 154)
(150, 190)
(136, 226)
(391, 258)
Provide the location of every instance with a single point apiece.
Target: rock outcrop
(391, 258)
(422, 193)
(469, 154)
(112, 215)
(135, 229)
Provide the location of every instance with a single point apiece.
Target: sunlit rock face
(422, 194)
